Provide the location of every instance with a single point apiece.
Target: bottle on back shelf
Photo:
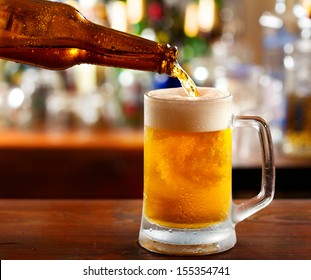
(279, 27)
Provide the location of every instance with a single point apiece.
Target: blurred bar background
(78, 133)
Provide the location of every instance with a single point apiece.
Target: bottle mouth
(171, 54)
(173, 51)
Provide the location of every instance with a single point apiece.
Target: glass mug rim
(181, 97)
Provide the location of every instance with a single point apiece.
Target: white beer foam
(172, 109)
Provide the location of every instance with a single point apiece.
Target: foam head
(172, 109)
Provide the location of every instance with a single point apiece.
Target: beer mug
(187, 201)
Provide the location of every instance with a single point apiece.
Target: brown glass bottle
(56, 36)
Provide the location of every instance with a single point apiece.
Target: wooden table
(108, 229)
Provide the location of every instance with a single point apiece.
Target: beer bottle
(56, 36)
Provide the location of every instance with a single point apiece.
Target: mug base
(187, 242)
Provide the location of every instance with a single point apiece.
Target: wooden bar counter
(108, 229)
(88, 164)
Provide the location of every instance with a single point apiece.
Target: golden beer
(187, 177)
(187, 164)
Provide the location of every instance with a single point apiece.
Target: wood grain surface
(108, 229)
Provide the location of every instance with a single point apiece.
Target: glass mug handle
(249, 207)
